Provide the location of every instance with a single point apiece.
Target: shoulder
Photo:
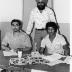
(49, 9)
(8, 34)
(34, 10)
(60, 36)
(45, 38)
(24, 34)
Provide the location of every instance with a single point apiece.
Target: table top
(5, 61)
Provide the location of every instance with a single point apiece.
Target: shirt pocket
(57, 46)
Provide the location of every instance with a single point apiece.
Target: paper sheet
(9, 53)
(55, 62)
(53, 57)
(33, 70)
(67, 61)
(1, 69)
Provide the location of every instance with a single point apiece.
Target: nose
(50, 30)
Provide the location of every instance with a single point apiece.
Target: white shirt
(56, 46)
(20, 40)
(40, 19)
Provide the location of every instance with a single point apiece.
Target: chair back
(0, 39)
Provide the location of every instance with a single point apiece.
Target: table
(56, 68)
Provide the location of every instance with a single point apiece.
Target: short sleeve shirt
(18, 41)
(56, 46)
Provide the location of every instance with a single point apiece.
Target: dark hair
(52, 24)
(16, 20)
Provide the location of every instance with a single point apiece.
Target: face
(51, 31)
(41, 5)
(15, 26)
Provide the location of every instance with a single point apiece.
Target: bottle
(35, 47)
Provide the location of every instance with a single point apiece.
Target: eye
(17, 24)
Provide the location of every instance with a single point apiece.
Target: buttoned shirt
(54, 47)
(19, 40)
(40, 19)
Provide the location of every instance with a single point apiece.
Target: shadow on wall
(65, 30)
(4, 27)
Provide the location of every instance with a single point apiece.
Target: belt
(40, 29)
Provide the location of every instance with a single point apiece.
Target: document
(9, 53)
(53, 57)
(33, 70)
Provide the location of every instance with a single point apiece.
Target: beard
(41, 7)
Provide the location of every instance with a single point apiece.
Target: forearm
(66, 50)
(41, 50)
(26, 48)
(5, 47)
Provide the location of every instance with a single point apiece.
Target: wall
(62, 10)
(9, 9)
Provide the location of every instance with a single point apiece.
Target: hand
(7, 49)
(48, 54)
(62, 58)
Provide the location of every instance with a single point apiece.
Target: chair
(0, 39)
(68, 49)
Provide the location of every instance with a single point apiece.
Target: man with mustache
(16, 38)
(39, 16)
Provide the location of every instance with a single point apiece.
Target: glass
(19, 54)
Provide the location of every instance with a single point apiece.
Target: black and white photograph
(35, 36)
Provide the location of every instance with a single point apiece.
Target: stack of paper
(53, 57)
(9, 53)
(67, 60)
(1, 69)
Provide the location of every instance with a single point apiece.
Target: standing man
(39, 16)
